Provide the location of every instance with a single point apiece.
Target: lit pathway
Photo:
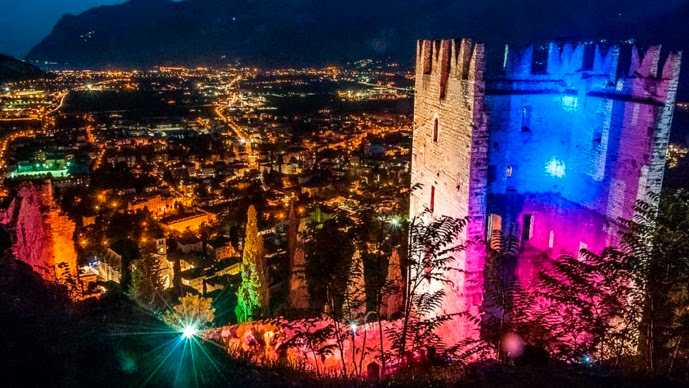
(244, 138)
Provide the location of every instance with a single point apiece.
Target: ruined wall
(449, 151)
(63, 252)
(43, 234)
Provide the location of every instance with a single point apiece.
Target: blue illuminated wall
(549, 143)
(574, 142)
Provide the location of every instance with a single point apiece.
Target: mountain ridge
(12, 69)
(148, 32)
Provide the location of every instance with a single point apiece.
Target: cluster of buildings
(169, 159)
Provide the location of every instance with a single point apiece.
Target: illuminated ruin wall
(296, 344)
(552, 144)
(43, 235)
(61, 231)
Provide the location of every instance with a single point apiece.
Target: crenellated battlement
(553, 67)
(449, 59)
(615, 71)
(558, 60)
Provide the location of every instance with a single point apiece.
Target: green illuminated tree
(252, 295)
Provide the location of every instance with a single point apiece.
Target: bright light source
(570, 103)
(556, 168)
(189, 331)
(587, 360)
(395, 222)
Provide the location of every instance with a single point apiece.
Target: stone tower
(449, 151)
(549, 143)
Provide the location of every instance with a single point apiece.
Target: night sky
(25, 22)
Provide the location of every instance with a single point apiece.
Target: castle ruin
(551, 144)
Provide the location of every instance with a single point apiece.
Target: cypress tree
(252, 295)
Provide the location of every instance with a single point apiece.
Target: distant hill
(12, 69)
(142, 32)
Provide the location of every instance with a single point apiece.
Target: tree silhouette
(147, 283)
(429, 259)
(655, 251)
(391, 294)
(628, 302)
(329, 249)
(501, 295)
(298, 294)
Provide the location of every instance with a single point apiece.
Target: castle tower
(449, 152)
(575, 141)
(552, 147)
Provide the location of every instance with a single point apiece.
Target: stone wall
(451, 168)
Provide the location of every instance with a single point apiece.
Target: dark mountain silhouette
(12, 69)
(320, 31)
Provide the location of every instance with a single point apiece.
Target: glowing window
(494, 226)
(556, 168)
(551, 239)
(582, 247)
(505, 57)
(527, 227)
